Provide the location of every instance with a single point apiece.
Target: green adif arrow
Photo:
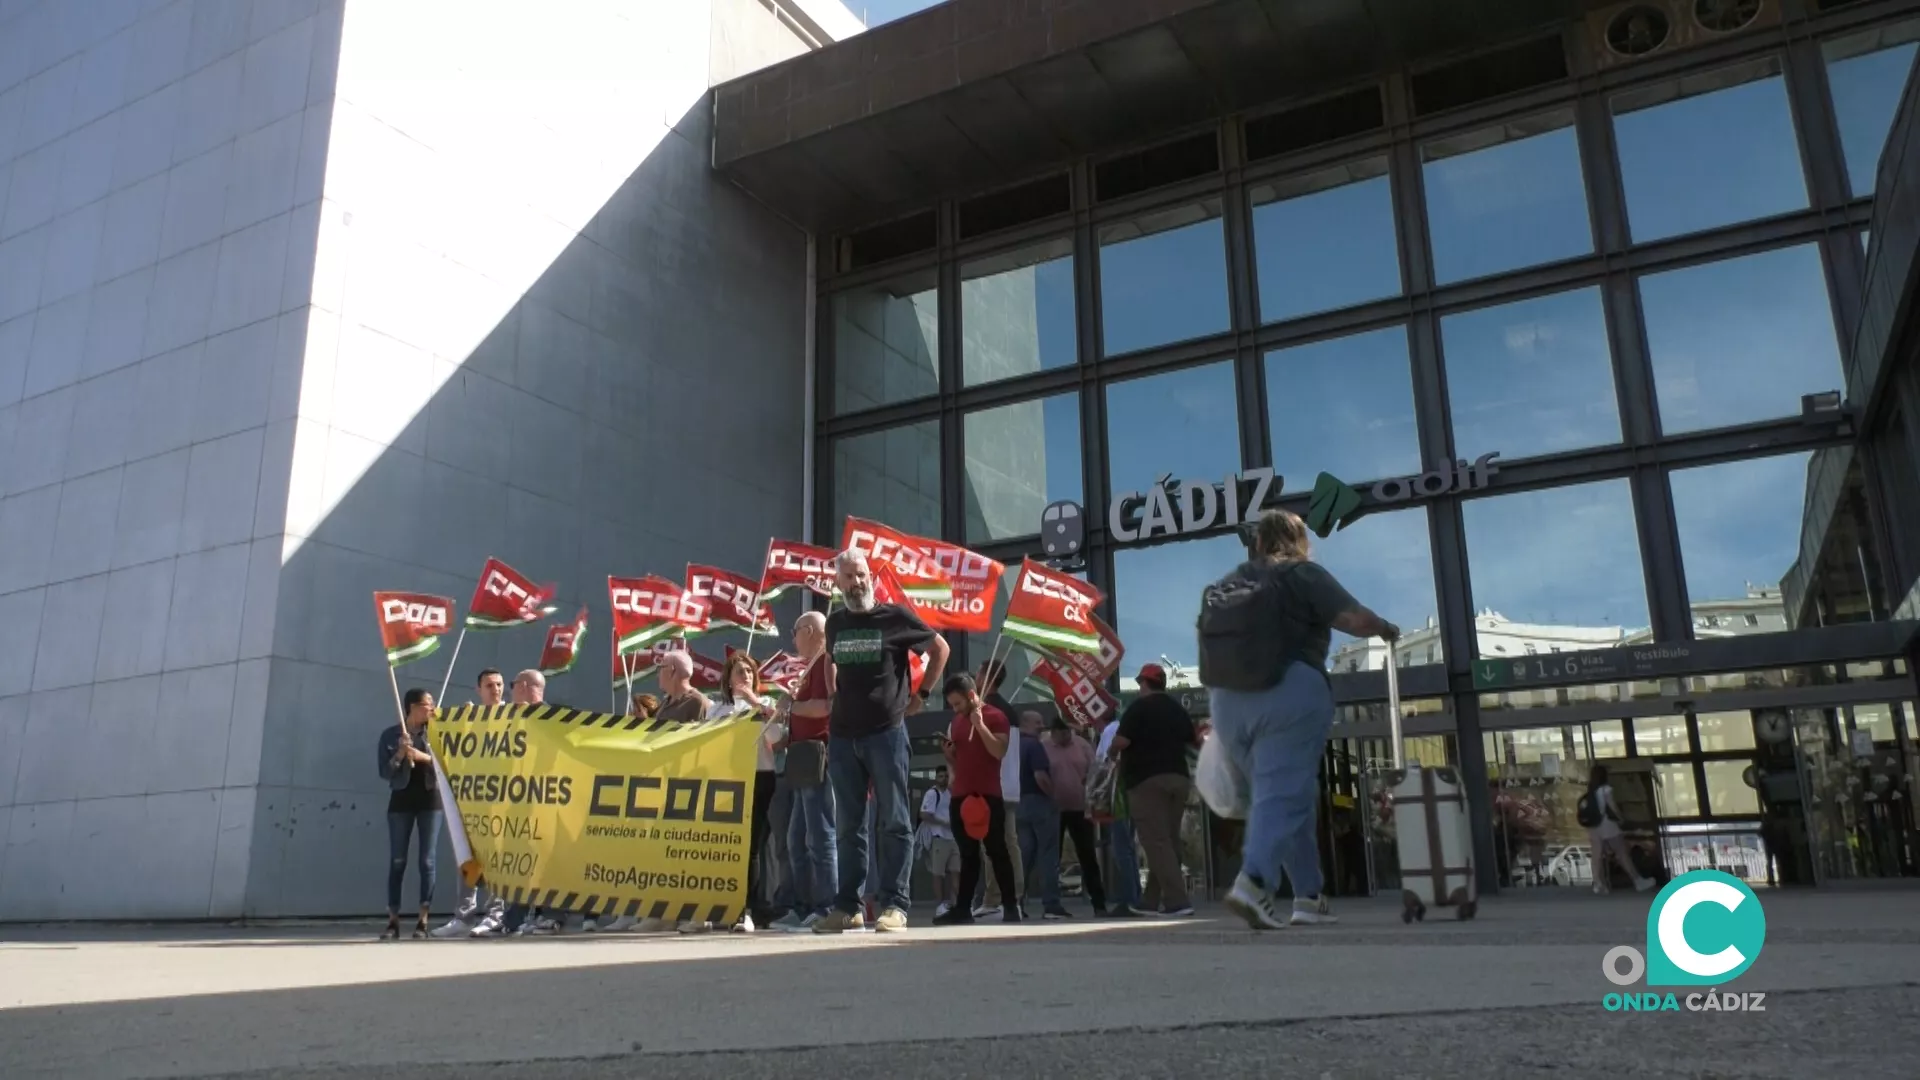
(1334, 505)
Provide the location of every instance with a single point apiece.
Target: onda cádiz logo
(1705, 929)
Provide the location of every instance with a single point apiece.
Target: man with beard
(868, 645)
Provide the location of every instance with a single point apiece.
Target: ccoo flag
(734, 599)
(411, 624)
(650, 609)
(1052, 610)
(563, 646)
(505, 597)
(790, 564)
(920, 573)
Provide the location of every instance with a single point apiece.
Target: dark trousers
(1074, 823)
(996, 851)
(763, 781)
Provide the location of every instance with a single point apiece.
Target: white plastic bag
(1223, 786)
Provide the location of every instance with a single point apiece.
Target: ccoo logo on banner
(601, 814)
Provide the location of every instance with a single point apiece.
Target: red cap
(1152, 673)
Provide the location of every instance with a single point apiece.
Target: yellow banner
(607, 815)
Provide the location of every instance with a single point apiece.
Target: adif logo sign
(429, 616)
(1705, 928)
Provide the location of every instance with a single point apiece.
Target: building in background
(1651, 255)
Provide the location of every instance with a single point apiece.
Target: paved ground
(1515, 992)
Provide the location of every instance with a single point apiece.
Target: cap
(1152, 673)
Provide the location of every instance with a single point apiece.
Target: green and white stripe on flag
(1049, 637)
(406, 654)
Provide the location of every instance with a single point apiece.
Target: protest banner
(602, 814)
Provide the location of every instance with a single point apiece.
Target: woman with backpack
(1264, 631)
(1600, 815)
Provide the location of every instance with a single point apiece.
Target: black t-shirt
(1158, 732)
(871, 676)
(421, 793)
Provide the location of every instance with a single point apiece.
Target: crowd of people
(834, 837)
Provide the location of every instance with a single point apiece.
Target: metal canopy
(977, 93)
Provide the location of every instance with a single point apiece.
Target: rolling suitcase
(1434, 835)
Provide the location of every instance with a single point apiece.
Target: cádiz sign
(1172, 508)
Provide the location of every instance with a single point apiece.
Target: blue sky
(1731, 342)
(885, 11)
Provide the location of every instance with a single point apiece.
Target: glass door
(1858, 793)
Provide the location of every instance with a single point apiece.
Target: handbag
(1102, 791)
(807, 763)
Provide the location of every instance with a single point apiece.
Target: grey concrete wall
(373, 294)
(160, 166)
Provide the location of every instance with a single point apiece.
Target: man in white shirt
(943, 854)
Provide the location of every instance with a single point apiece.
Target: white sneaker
(490, 927)
(651, 926)
(942, 910)
(1311, 911)
(590, 925)
(622, 924)
(696, 927)
(455, 927)
(983, 911)
(538, 926)
(807, 924)
(745, 925)
(1254, 904)
(789, 922)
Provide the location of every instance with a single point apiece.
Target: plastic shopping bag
(1223, 786)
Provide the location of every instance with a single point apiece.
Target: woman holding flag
(741, 695)
(413, 805)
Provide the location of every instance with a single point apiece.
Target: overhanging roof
(975, 93)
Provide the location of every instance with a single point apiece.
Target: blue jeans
(1038, 821)
(812, 860)
(401, 824)
(1276, 738)
(779, 823)
(853, 763)
(1124, 857)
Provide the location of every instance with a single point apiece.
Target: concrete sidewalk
(1044, 998)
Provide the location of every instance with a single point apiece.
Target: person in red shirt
(812, 857)
(976, 741)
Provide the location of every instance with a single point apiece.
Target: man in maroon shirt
(811, 855)
(976, 741)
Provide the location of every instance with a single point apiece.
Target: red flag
(649, 609)
(1099, 666)
(411, 624)
(505, 597)
(887, 590)
(783, 674)
(707, 673)
(563, 646)
(735, 598)
(976, 584)
(920, 573)
(790, 564)
(1052, 610)
(1081, 700)
(635, 668)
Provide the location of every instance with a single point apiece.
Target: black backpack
(1249, 628)
(1587, 811)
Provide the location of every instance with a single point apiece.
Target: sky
(1730, 342)
(876, 12)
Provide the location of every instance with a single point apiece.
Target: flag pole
(759, 591)
(446, 680)
(394, 677)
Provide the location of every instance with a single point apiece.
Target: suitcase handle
(1394, 735)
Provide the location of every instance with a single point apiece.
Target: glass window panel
(891, 476)
(1708, 150)
(1386, 562)
(1654, 736)
(1184, 423)
(1016, 312)
(1163, 278)
(1343, 406)
(1157, 596)
(1728, 793)
(1504, 198)
(1020, 457)
(1739, 526)
(1555, 570)
(1725, 731)
(1876, 720)
(1740, 340)
(1325, 241)
(1676, 795)
(1866, 74)
(1531, 377)
(1609, 738)
(886, 343)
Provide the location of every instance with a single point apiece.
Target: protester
(1276, 737)
(1123, 853)
(943, 854)
(645, 706)
(477, 903)
(740, 695)
(978, 739)
(1070, 758)
(992, 674)
(1155, 732)
(868, 644)
(1605, 839)
(413, 806)
(683, 704)
(811, 845)
(1039, 818)
(529, 688)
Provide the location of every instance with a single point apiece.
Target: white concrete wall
(159, 164)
